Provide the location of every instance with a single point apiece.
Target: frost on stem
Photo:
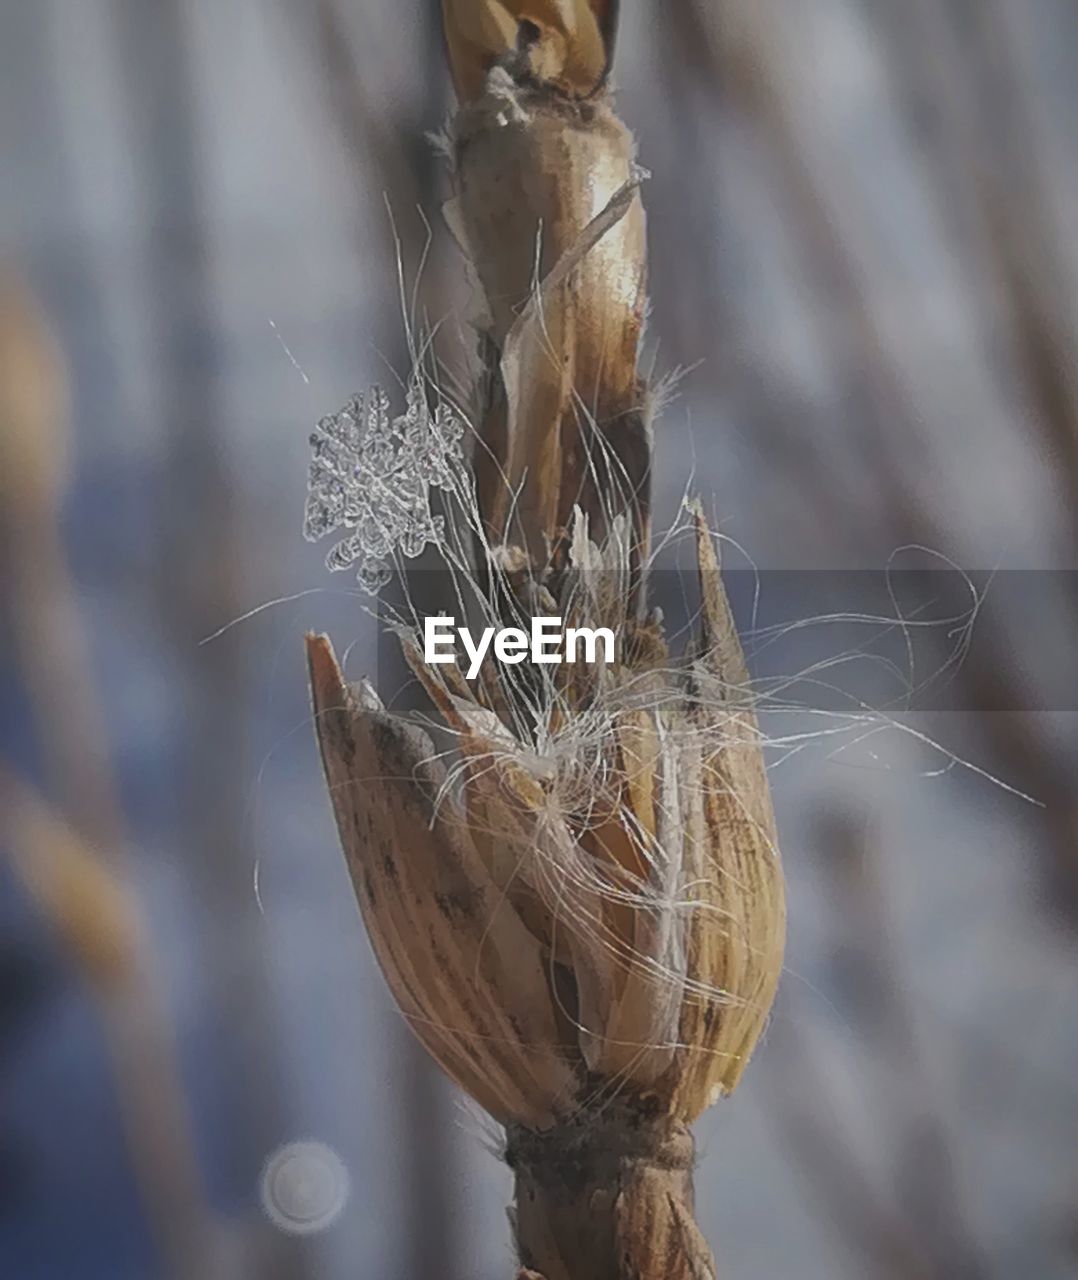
(373, 474)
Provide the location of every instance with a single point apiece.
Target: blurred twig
(99, 922)
(968, 100)
(76, 869)
(50, 642)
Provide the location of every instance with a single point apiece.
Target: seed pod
(598, 913)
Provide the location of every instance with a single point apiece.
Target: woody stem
(607, 1197)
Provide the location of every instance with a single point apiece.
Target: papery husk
(462, 968)
(594, 966)
(547, 209)
(595, 1023)
(736, 940)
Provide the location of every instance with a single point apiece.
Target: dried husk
(462, 967)
(586, 930)
(594, 963)
(534, 171)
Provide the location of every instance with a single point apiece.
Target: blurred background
(864, 236)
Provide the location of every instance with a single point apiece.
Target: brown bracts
(587, 931)
(581, 914)
(546, 209)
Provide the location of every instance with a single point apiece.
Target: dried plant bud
(546, 207)
(564, 43)
(583, 919)
(596, 911)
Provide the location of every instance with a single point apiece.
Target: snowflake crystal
(373, 476)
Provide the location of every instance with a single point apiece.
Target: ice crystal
(372, 475)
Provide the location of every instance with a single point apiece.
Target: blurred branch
(98, 921)
(75, 869)
(50, 641)
(373, 136)
(968, 100)
(1024, 202)
(395, 145)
